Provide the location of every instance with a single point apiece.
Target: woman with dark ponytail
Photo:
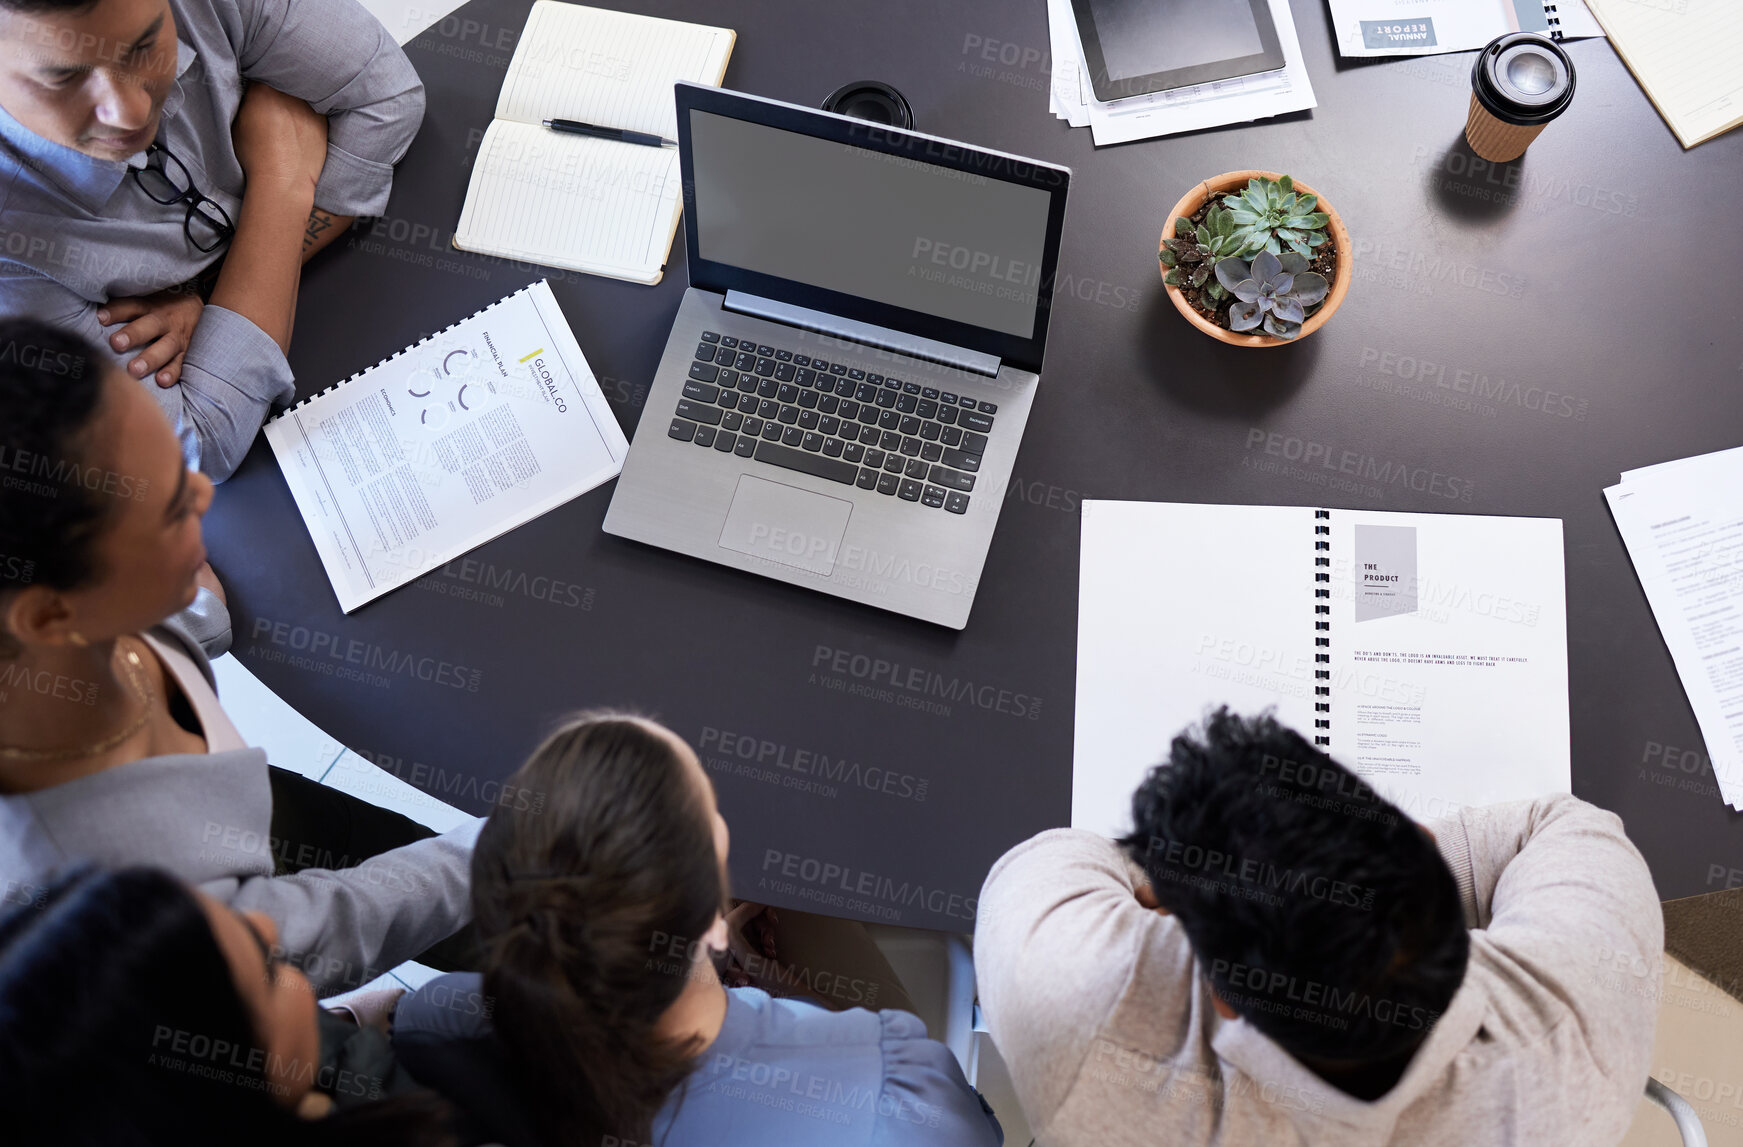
(135, 1012)
(600, 1019)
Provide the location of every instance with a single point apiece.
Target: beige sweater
(1100, 1010)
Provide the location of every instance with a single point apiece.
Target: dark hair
(120, 1025)
(50, 387)
(1320, 912)
(46, 7)
(579, 900)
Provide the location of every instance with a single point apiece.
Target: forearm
(265, 263)
(323, 227)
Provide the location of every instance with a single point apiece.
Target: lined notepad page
(1685, 54)
(609, 68)
(596, 205)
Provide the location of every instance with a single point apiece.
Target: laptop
(849, 374)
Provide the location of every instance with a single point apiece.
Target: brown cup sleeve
(1497, 140)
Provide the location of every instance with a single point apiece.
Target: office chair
(1688, 1124)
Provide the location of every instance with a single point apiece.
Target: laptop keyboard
(831, 420)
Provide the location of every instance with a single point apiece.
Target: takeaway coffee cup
(871, 100)
(1519, 83)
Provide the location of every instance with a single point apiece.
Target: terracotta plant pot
(1234, 181)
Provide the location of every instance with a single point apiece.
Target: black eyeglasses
(164, 177)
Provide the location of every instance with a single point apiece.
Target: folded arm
(339, 58)
(1560, 891)
(232, 375)
(1058, 935)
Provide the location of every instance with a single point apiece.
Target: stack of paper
(1238, 100)
(1683, 525)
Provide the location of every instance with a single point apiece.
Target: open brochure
(1430, 27)
(1426, 652)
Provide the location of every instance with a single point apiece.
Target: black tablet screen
(1143, 37)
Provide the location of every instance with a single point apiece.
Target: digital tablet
(1133, 47)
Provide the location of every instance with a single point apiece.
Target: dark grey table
(1528, 331)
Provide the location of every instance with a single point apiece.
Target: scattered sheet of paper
(1682, 522)
(1238, 100)
(1431, 27)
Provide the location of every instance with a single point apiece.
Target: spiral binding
(1322, 625)
(1549, 10)
(398, 353)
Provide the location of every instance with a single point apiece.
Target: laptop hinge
(912, 346)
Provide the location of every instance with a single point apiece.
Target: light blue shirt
(781, 1073)
(76, 231)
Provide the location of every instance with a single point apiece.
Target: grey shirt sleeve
(232, 376)
(1556, 885)
(344, 927)
(1058, 933)
(339, 58)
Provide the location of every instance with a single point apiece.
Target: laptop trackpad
(785, 524)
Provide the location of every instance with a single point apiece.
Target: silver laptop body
(790, 433)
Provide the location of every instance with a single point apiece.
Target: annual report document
(1426, 652)
(1683, 525)
(446, 445)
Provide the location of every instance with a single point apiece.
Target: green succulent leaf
(1215, 291)
(1256, 186)
(1273, 246)
(1172, 278)
(1305, 203)
(1169, 258)
(1286, 183)
(1200, 273)
(1317, 219)
(1182, 225)
(1256, 202)
(1299, 248)
(1243, 217)
(1202, 234)
(1316, 239)
(1287, 235)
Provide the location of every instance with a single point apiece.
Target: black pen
(574, 127)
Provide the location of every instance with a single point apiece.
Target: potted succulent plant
(1253, 258)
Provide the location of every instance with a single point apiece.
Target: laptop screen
(889, 228)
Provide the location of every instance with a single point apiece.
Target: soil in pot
(1324, 261)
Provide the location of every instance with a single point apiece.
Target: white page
(1449, 657)
(1433, 27)
(1699, 459)
(1241, 99)
(614, 69)
(1063, 95)
(1685, 54)
(1181, 608)
(572, 201)
(448, 444)
(1683, 527)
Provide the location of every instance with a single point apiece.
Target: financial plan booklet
(447, 444)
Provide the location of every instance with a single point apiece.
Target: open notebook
(1685, 54)
(596, 205)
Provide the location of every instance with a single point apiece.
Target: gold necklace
(130, 662)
